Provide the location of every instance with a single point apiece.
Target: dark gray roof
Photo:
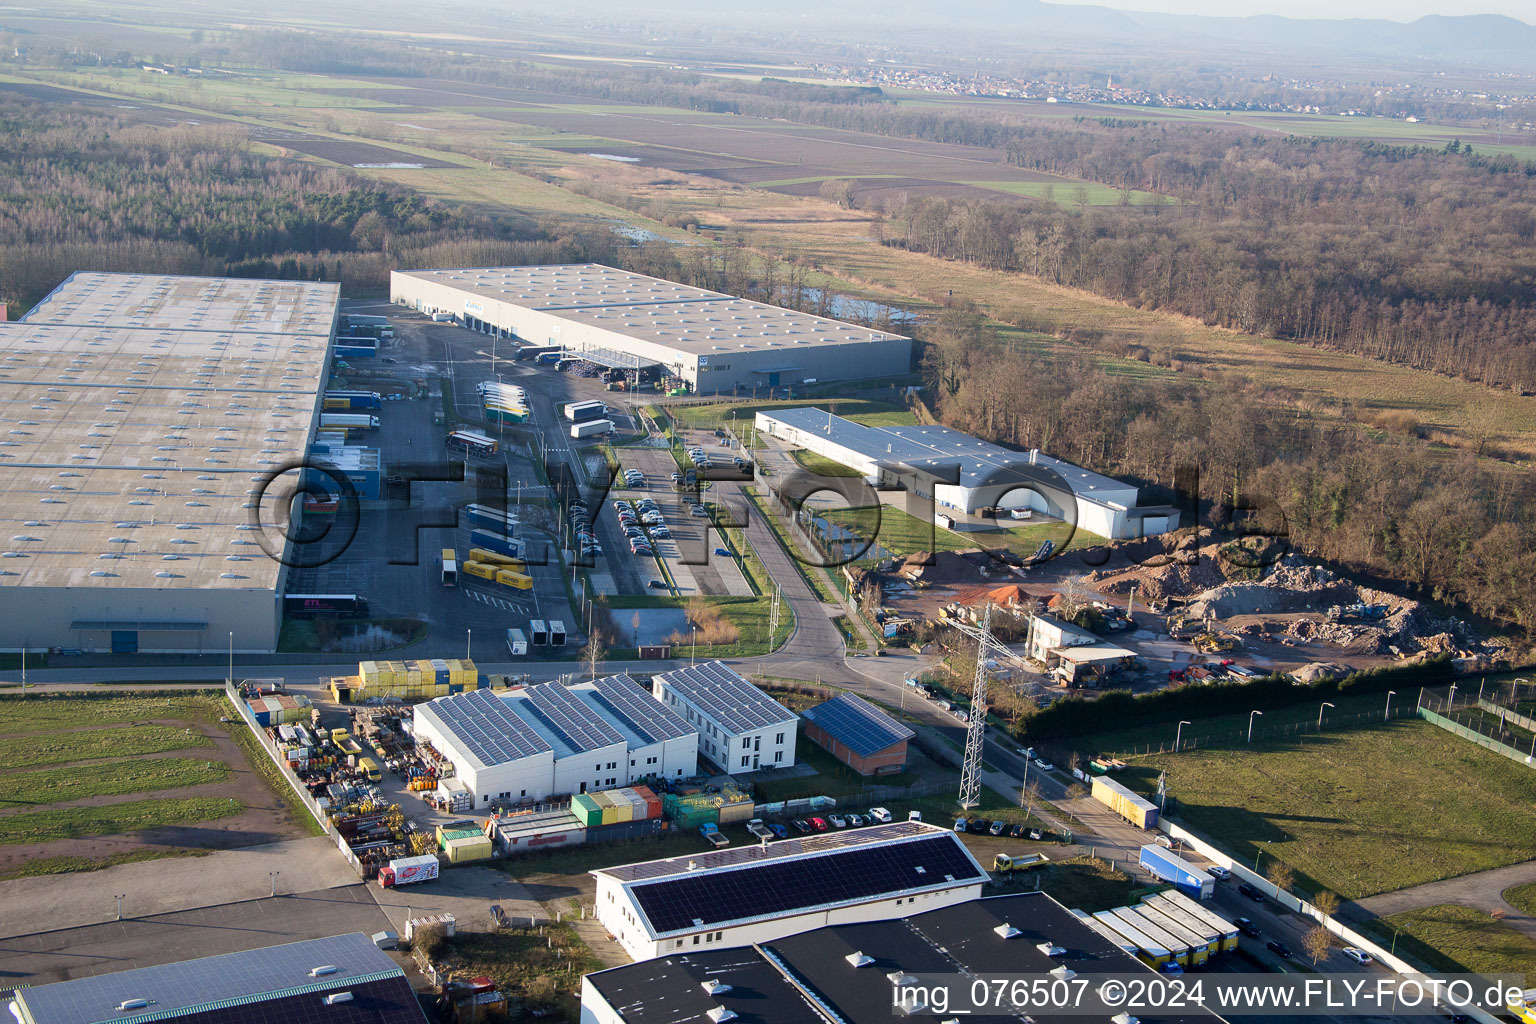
(730, 895)
(179, 989)
(857, 724)
(727, 697)
(635, 706)
(816, 982)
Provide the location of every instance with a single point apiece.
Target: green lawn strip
(69, 865)
(819, 464)
(117, 741)
(1347, 812)
(46, 712)
(832, 778)
(1457, 939)
(1522, 898)
(741, 415)
(141, 775)
(903, 534)
(261, 763)
(578, 860)
(1230, 730)
(112, 819)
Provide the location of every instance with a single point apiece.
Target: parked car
(657, 585)
(961, 824)
(1044, 765)
(1358, 955)
(1278, 948)
(998, 828)
(819, 824)
(1163, 841)
(837, 821)
(857, 821)
(801, 825)
(1217, 871)
(1251, 892)
(779, 831)
(1036, 834)
(880, 814)
(1017, 832)
(979, 826)
(1247, 927)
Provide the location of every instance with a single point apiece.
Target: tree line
(87, 190)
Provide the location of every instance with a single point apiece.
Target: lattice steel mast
(975, 732)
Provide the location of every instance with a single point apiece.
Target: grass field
(57, 711)
(742, 414)
(832, 778)
(1087, 883)
(114, 741)
(141, 775)
(819, 464)
(112, 819)
(1458, 939)
(1359, 812)
(1522, 898)
(70, 865)
(902, 534)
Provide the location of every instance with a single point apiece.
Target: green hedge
(1077, 716)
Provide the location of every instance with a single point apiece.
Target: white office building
(536, 742)
(740, 728)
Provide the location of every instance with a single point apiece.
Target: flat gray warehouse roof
(691, 320)
(137, 412)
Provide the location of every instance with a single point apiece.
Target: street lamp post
(1179, 734)
(1388, 713)
(693, 648)
(1325, 704)
(273, 876)
(1452, 701)
(468, 633)
(119, 899)
(231, 679)
(1250, 723)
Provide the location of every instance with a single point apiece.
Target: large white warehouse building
(535, 742)
(982, 474)
(715, 342)
(139, 416)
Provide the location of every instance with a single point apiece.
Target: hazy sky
(1393, 10)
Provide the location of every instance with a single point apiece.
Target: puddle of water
(656, 624)
(393, 167)
(614, 156)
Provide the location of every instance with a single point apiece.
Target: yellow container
(513, 578)
(480, 569)
(470, 848)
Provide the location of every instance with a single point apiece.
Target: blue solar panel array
(249, 975)
(857, 724)
(576, 723)
(727, 697)
(485, 724)
(633, 703)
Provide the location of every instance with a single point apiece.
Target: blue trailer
(353, 400)
(1184, 876)
(497, 542)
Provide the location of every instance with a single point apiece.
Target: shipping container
(353, 400)
(468, 848)
(1178, 950)
(349, 420)
(580, 412)
(1196, 909)
(1147, 951)
(517, 643)
(1137, 810)
(652, 801)
(1200, 948)
(481, 570)
(497, 542)
(492, 558)
(556, 633)
(514, 579)
(540, 633)
(1183, 875)
(586, 809)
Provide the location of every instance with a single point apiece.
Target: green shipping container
(586, 809)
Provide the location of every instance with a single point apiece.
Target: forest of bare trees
(80, 189)
(1425, 258)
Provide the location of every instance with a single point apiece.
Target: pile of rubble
(1180, 570)
(1290, 586)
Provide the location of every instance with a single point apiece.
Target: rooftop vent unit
(720, 1014)
(320, 972)
(1049, 948)
(132, 1004)
(338, 997)
(714, 986)
(859, 959)
(1007, 931)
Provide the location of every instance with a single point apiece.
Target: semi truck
(408, 871)
(349, 421)
(581, 412)
(308, 606)
(591, 428)
(1183, 875)
(353, 400)
(501, 545)
(517, 643)
(1137, 810)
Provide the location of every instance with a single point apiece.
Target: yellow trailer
(481, 569)
(515, 579)
(492, 558)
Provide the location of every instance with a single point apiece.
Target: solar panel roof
(633, 703)
(563, 712)
(724, 695)
(491, 731)
(770, 889)
(174, 989)
(857, 724)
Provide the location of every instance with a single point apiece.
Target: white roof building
(141, 418)
(613, 317)
(531, 743)
(737, 897)
(740, 727)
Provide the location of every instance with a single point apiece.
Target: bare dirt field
(355, 154)
(93, 781)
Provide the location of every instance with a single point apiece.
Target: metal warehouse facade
(713, 341)
(139, 418)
